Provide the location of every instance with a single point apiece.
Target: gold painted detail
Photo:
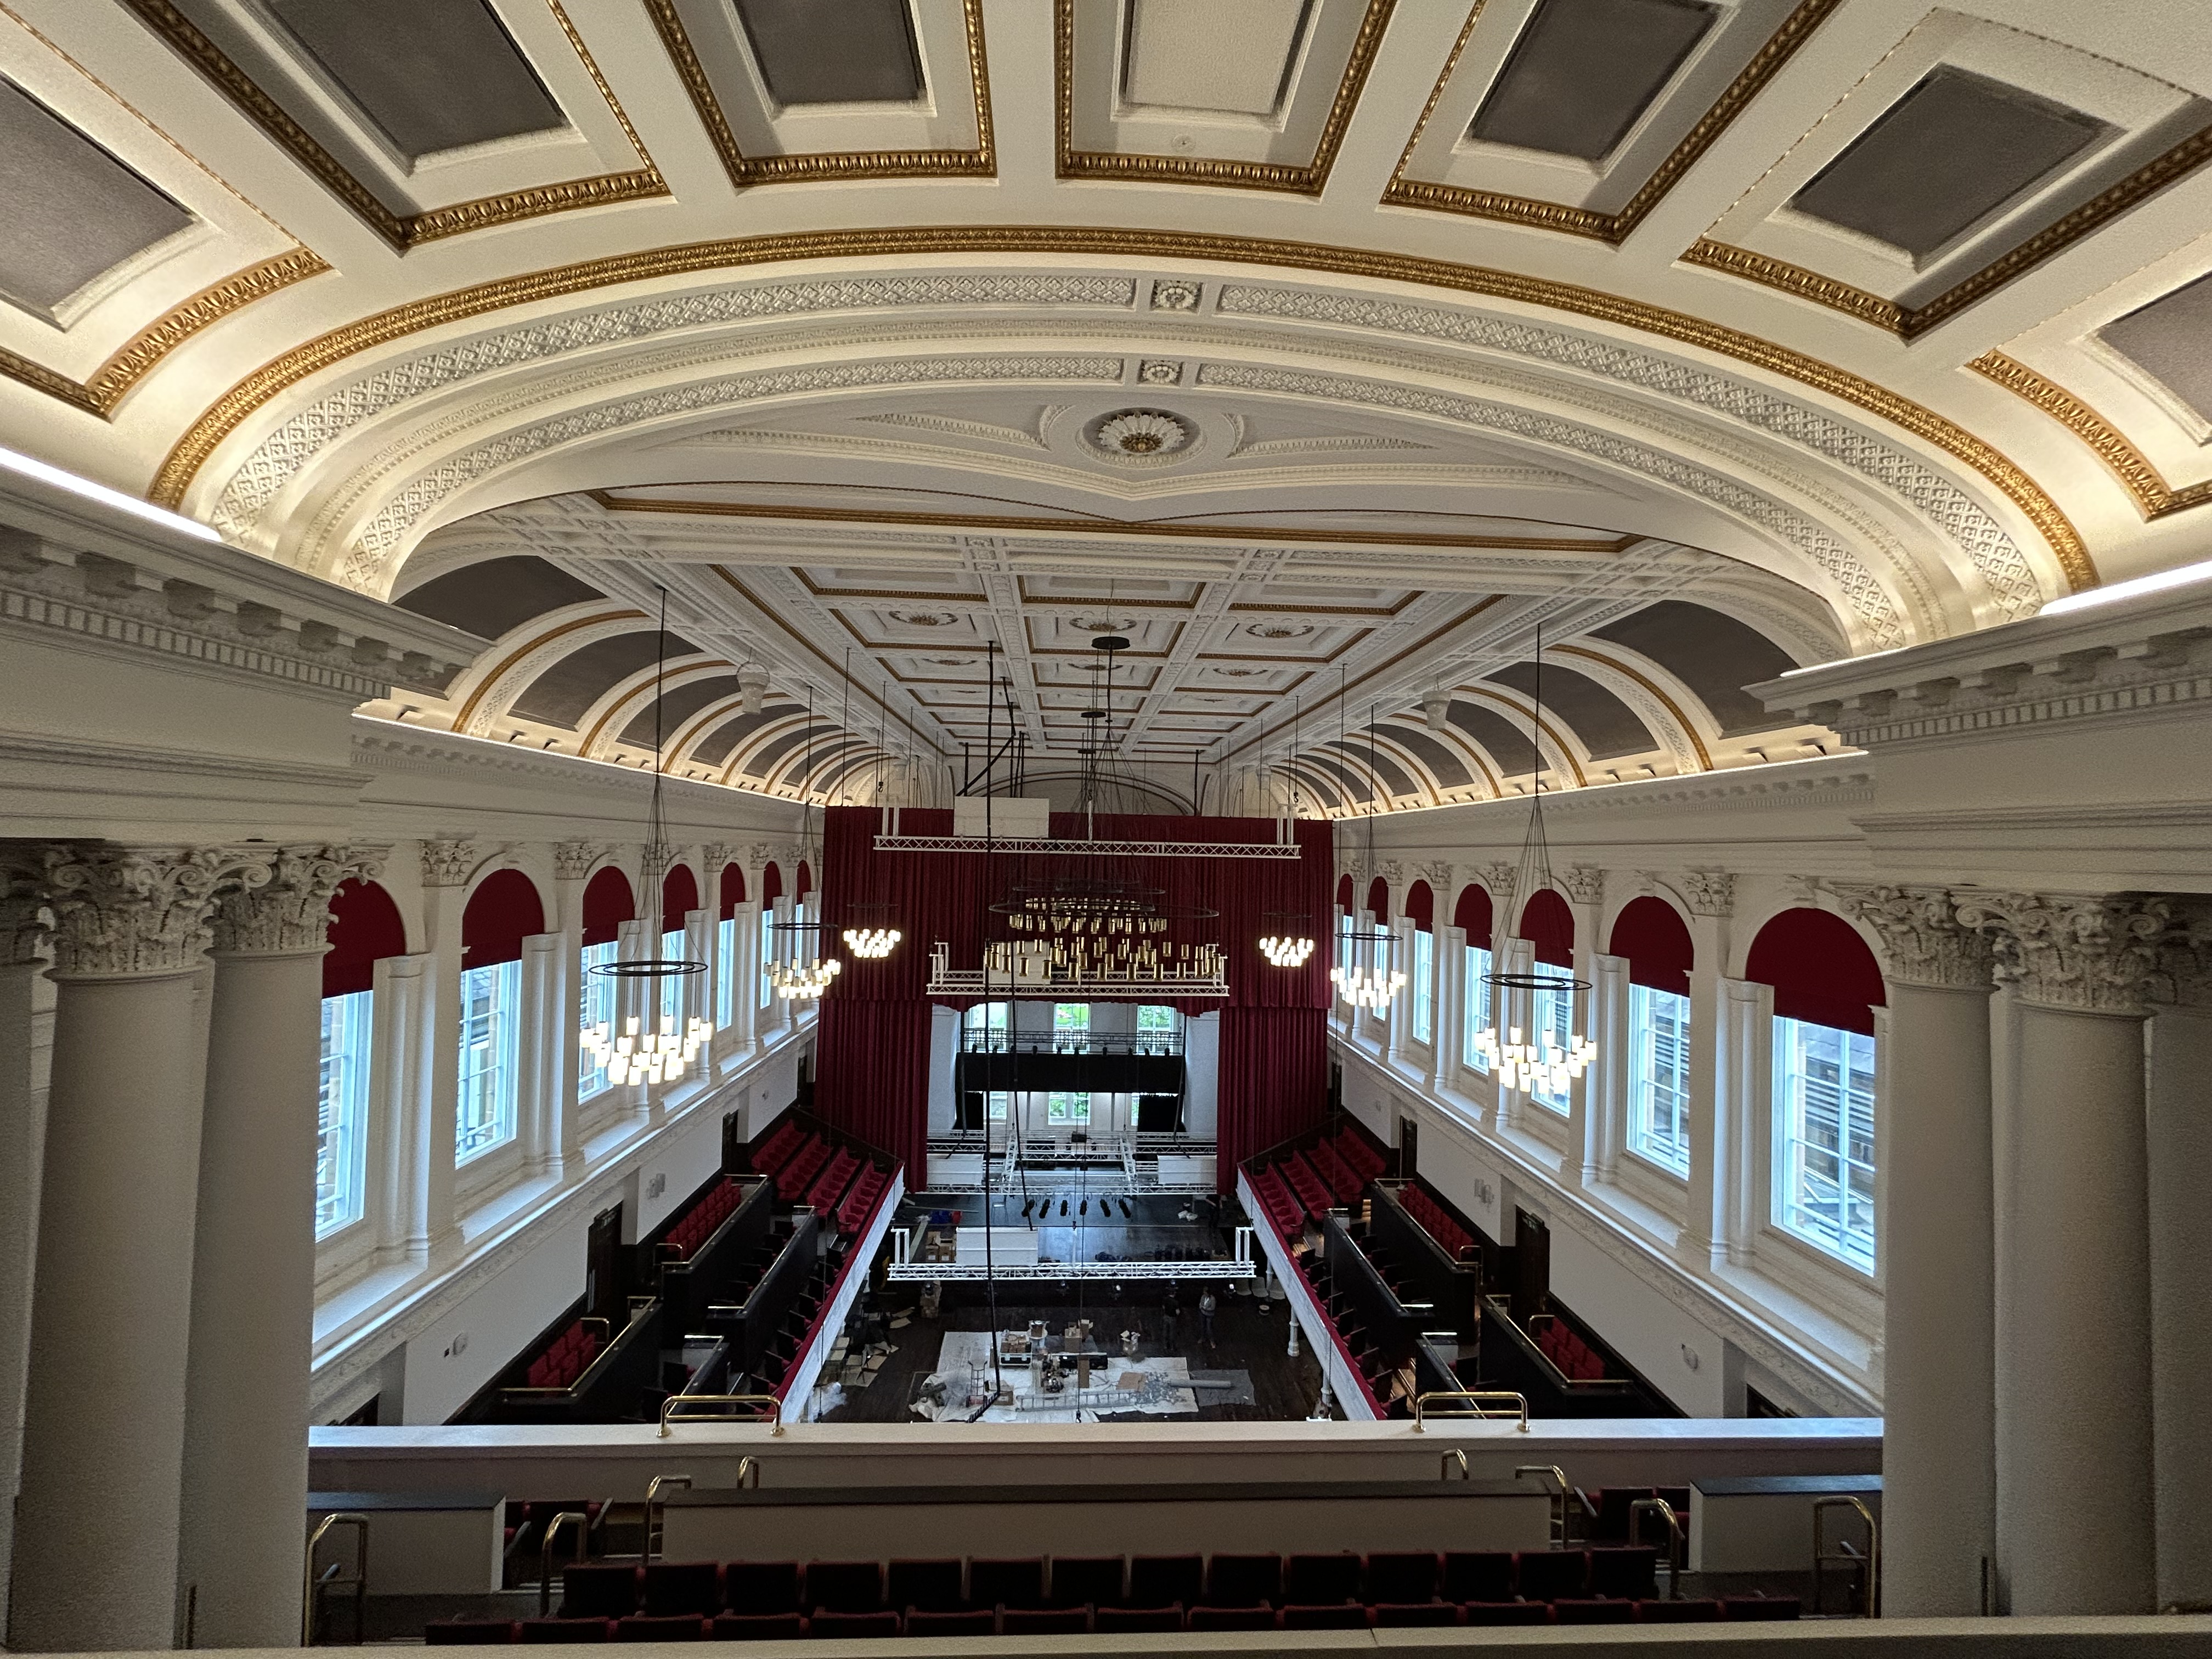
(1309, 179)
(744, 171)
(401, 231)
(2154, 497)
(468, 710)
(1764, 63)
(223, 416)
(1910, 322)
(1697, 743)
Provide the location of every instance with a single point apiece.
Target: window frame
(503, 1029)
(1541, 1007)
(1786, 1213)
(355, 1014)
(1423, 988)
(1475, 1007)
(597, 998)
(1645, 1083)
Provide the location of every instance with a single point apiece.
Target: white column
(636, 998)
(573, 863)
(1402, 1006)
(1937, 1244)
(447, 866)
(95, 1542)
(1712, 898)
(1451, 1007)
(401, 1056)
(2075, 1524)
(245, 1482)
(22, 1140)
(1605, 1085)
(1743, 1116)
(1515, 1011)
(1583, 885)
(747, 997)
(2180, 1151)
(547, 1035)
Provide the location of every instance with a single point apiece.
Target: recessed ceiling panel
(72, 211)
(1448, 769)
(490, 597)
(1508, 744)
(852, 51)
(1221, 56)
(1715, 656)
(1584, 70)
(433, 74)
(714, 748)
(1950, 152)
(678, 705)
(2170, 339)
(1608, 726)
(560, 695)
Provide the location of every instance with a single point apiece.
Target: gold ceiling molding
(2154, 497)
(138, 357)
(1705, 755)
(744, 171)
(1910, 322)
(1307, 180)
(1764, 65)
(224, 416)
(640, 697)
(403, 231)
(1099, 526)
(468, 709)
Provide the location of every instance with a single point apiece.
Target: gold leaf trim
(746, 171)
(401, 231)
(40, 378)
(1310, 180)
(1764, 65)
(1852, 301)
(2154, 497)
(468, 710)
(228, 412)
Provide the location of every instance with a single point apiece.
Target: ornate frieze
(1498, 879)
(1584, 884)
(123, 911)
(1709, 892)
(23, 926)
(2085, 954)
(574, 859)
(1438, 875)
(2183, 978)
(1923, 941)
(290, 914)
(447, 861)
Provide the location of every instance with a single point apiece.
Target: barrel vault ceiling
(1326, 350)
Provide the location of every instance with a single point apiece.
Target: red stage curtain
(1273, 1081)
(1820, 970)
(1472, 914)
(1650, 934)
(365, 927)
(607, 904)
(1547, 924)
(501, 913)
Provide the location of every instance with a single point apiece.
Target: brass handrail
(1562, 1495)
(311, 1589)
(1474, 1397)
(1665, 1511)
(1871, 1560)
(1444, 1464)
(652, 1497)
(545, 1554)
(668, 1409)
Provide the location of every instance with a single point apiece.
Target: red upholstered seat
(666, 1627)
(1205, 1619)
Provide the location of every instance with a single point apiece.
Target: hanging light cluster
(803, 981)
(1366, 978)
(1130, 913)
(1529, 1067)
(661, 1056)
(1087, 960)
(873, 944)
(1282, 952)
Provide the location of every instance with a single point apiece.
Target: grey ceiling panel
(1507, 742)
(1715, 656)
(677, 707)
(1608, 726)
(823, 753)
(499, 594)
(1448, 768)
(1394, 778)
(1951, 151)
(714, 748)
(72, 209)
(560, 695)
(1583, 71)
(2170, 339)
(1355, 783)
(834, 52)
(433, 74)
(764, 763)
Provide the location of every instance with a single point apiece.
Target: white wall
(473, 1341)
(1201, 1060)
(943, 1052)
(1651, 1333)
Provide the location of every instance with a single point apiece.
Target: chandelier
(804, 982)
(1368, 976)
(661, 1056)
(803, 974)
(1526, 1058)
(872, 943)
(1289, 945)
(1285, 950)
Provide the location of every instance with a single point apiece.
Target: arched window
(1344, 892)
(608, 903)
(502, 912)
(731, 894)
(1827, 987)
(1378, 901)
(1549, 927)
(365, 927)
(679, 897)
(1471, 916)
(1421, 911)
(1650, 934)
(1348, 923)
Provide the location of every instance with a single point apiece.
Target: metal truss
(1048, 1272)
(1115, 849)
(970, 982)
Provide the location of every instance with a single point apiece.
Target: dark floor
(1245, 1339)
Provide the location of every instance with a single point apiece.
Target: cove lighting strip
(2158, 581)
(31, 467)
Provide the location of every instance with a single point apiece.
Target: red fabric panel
(1421, 907)
(1378, 900)
(771, 885)
(1472, 914)
(1820, 970)
(501, 913)
(608, 903)
(679, 896)
(1272, 1081)
(1547, 923)
(1651, 935)
(1344, 892)
(734, 891)
(365, 927)
(806, 881)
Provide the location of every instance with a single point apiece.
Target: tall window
(1071, 1026)
(1659, 1076)
(1823, 1183)
(675, 988)
(981, 1018)
(598, 1004)
(725, 973)
(1072, 1109)
(998, 1099)
(767, 952)
(491, 1032)
(342, 1110)
(1425, 986)
(1158, 1024)
(1553, 1012)
(1477, 1000)
(1345, 926)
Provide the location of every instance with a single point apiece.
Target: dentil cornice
(289, 915)
(2083, 954)
(1923, 941)
(123, 912)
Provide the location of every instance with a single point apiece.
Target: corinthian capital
(290, 914)
(122, 911)
(2089, 955)
(716, 854)
(1709, 892)
(1923, 939)
(22, 912)
(2184, 974)
(1497, 880)
(573, 860)
(1585, 884)
(447, 861)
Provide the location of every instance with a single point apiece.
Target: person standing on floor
(1205, 1305)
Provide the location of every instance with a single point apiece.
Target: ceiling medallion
(923, 618)
(1140, 433)
(1279, 630)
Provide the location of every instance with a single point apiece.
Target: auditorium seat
(1592, 1610)
(847, 1626)
(1401, 1577)
(667, 1627)
(1328, 1615)
(960, 1621)
(759, 1627)
(1044, 1621)
(562, 1630)
(1160, 1581)
(844, 1586)
(1240, 1581)
(468, 1633)
(1549, 1575)
(924, 1586)
(1507, 1613)
(683, 1587)
(1320, 1580)
(1133, 1621)
(1477, 1576)
(1210, 1618)
(599, 1591)
(1677, 1612)
(1086, 1581)
(1402, 1615)
(1017, 1584)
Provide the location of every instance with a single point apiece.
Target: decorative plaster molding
(289, 915)
(24, 923)
(1923, 941)
(1498, 880)
(447, 861)
(1439, 877)
(2183, 975)
(1584, 883)
(120, 912)
(1709, 892)
(573, 860)
(2082, 954)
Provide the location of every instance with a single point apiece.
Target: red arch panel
(365, 928)
(1421, 907)
(501, 913)
(771, 885)
(679, 896)
(1472, 912)
(1651, 935)
(1820, 970)
(734, 891)
(1343, 893)
(1547, 924)
(1378, 900)
(608, 903)
(806, 881)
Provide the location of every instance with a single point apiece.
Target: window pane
(342, 1110)
(1478, 1006)
(1554, 1013)
(1071, 1023)
(725, 973)
(490, 1033)
(1659, 1076)
(1425, 966)
(1067, 1109)
(1823, 1106)
(598, 999)
(675, 988)
(766, 953)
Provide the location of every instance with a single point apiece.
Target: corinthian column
(1938, 1255)
(95, 1546)
(244, 1480)
(1718, 1094)
(2074, 1527)
(22, 1133)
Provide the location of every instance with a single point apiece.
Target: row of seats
(1284, 1211)
(1312, 1191)
(1360, 1155)
(1575, 1357)
(773, 1153)
(828, 1186)
(797, 1173)
(1436, 1221)
(1372, 1367)
(567, 1360)
(860, 1203)
(1336, 1173)
(699, 1223)
(1105, 1621)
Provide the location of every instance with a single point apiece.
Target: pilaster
(1718, 1105)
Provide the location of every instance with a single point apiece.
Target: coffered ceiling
(1324, 349)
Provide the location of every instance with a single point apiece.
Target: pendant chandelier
(1368, 976)
(662, 1054)
(1290, 943)
(1523, 1056)
(868, 933)
(801, 972)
